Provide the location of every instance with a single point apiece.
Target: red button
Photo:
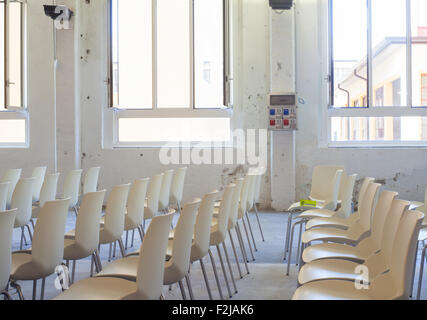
(272, 122)
(286, 123)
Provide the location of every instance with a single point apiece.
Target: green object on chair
(308, 203)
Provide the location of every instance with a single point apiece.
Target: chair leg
(420, 279)
(122, 248)
(250, 231)
(411, 293)
(73, 273)
(235, 254)
(75, 211)
(247, 237)
(181, 287)
(92, 261)
(98, 260)
(242, 247)
(288, 234)
(29, 232)
(22, 239)
(114, 249)
(18, 289)
(42, 290)
(133, 238)
(34, 289)
(216, 274)
(6, 295)
(299, 243)
(202, 265)
(290, 247)
(141, 233)
(190, 288)
(259, 223)
(109, 255)
(126, 242)
(229, 267)
(32, 223)
(223, 271)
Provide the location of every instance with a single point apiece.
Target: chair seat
(333, 251)
(130, 224)
(125, 269)
(23, 267)
(317, 213)
(71, 234)
(328, 269)
(331, 290)
(100, 289)
(415, 204)
(332, 235)
(328, 222)
(72, 251)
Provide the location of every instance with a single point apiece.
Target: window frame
(16, 112)
(113, 114)
(326, 36)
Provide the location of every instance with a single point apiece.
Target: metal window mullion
(154, 53)
(408, 54)
(331, 53)
(110, 77)
(192, 58)
(226, 53)
(370, 55)
(22, 51)
(6, 54)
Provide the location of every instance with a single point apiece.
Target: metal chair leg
(75, 211)
(181, 287)
(288, 231)
(202, 265)
(190, 288)
(92, 262)
(34, 289)
(420, 279)
(141, 233)
(223, 271)
(109, 254)
(229, 267)
(22, 238)
(247, 237)
(6, 295)
(98, 259)
(250, 231)
(29, 232)
(242, 247)
(133, 238)
(290, 246)
(18, 289)
(259, 223)
(235, 254)
(122, 248)
(42, 290)
(411, 293)
(216, 274)
(299, 243)
(114, 249)
(126, 242)
(73, 273)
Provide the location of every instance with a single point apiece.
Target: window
(378, 72)
(13, 118)
(169, 54)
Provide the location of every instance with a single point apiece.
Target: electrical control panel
(282, 112)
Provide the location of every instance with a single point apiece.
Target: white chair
(72, 187)
(4, 190)
(85, 242)
(150, 271)
(391, 285)
(90, 182)
(12, 176)
(152, 203)
(47, 193)
(22, 200)
(241, 214)
(384, 226)
(39, 174)
(377, 261)
(165, 191)
(48, 247)
(177, 188)
(7, 220)
(135, 209)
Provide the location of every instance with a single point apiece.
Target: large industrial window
(168, 55)
(12, 73)
(377, 69)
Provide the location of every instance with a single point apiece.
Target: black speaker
(281, 4)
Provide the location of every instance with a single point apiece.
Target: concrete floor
(266, 272)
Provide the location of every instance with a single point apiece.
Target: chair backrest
(48, 239)
(368, 204)
(48, 191)
(136, 201)
(115, 211)
(224, 210)
(72, 186)
(332, 202)
(151, 264)
(322, 181)
(87, 224)
(203, 226)
(362, 191)
(90, 183)
(381, 212)
(4, 190)
(402, 261)
(183, 238)
(244, 197)
(38, 174)
(177, 188)
(347, 198)
(391, 225)
(22, 200)
(12, 176)
(165, 190)
(153, 194)
(234, 210)
(251, 191)
(7, 220)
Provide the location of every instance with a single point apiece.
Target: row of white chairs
(355, 237)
